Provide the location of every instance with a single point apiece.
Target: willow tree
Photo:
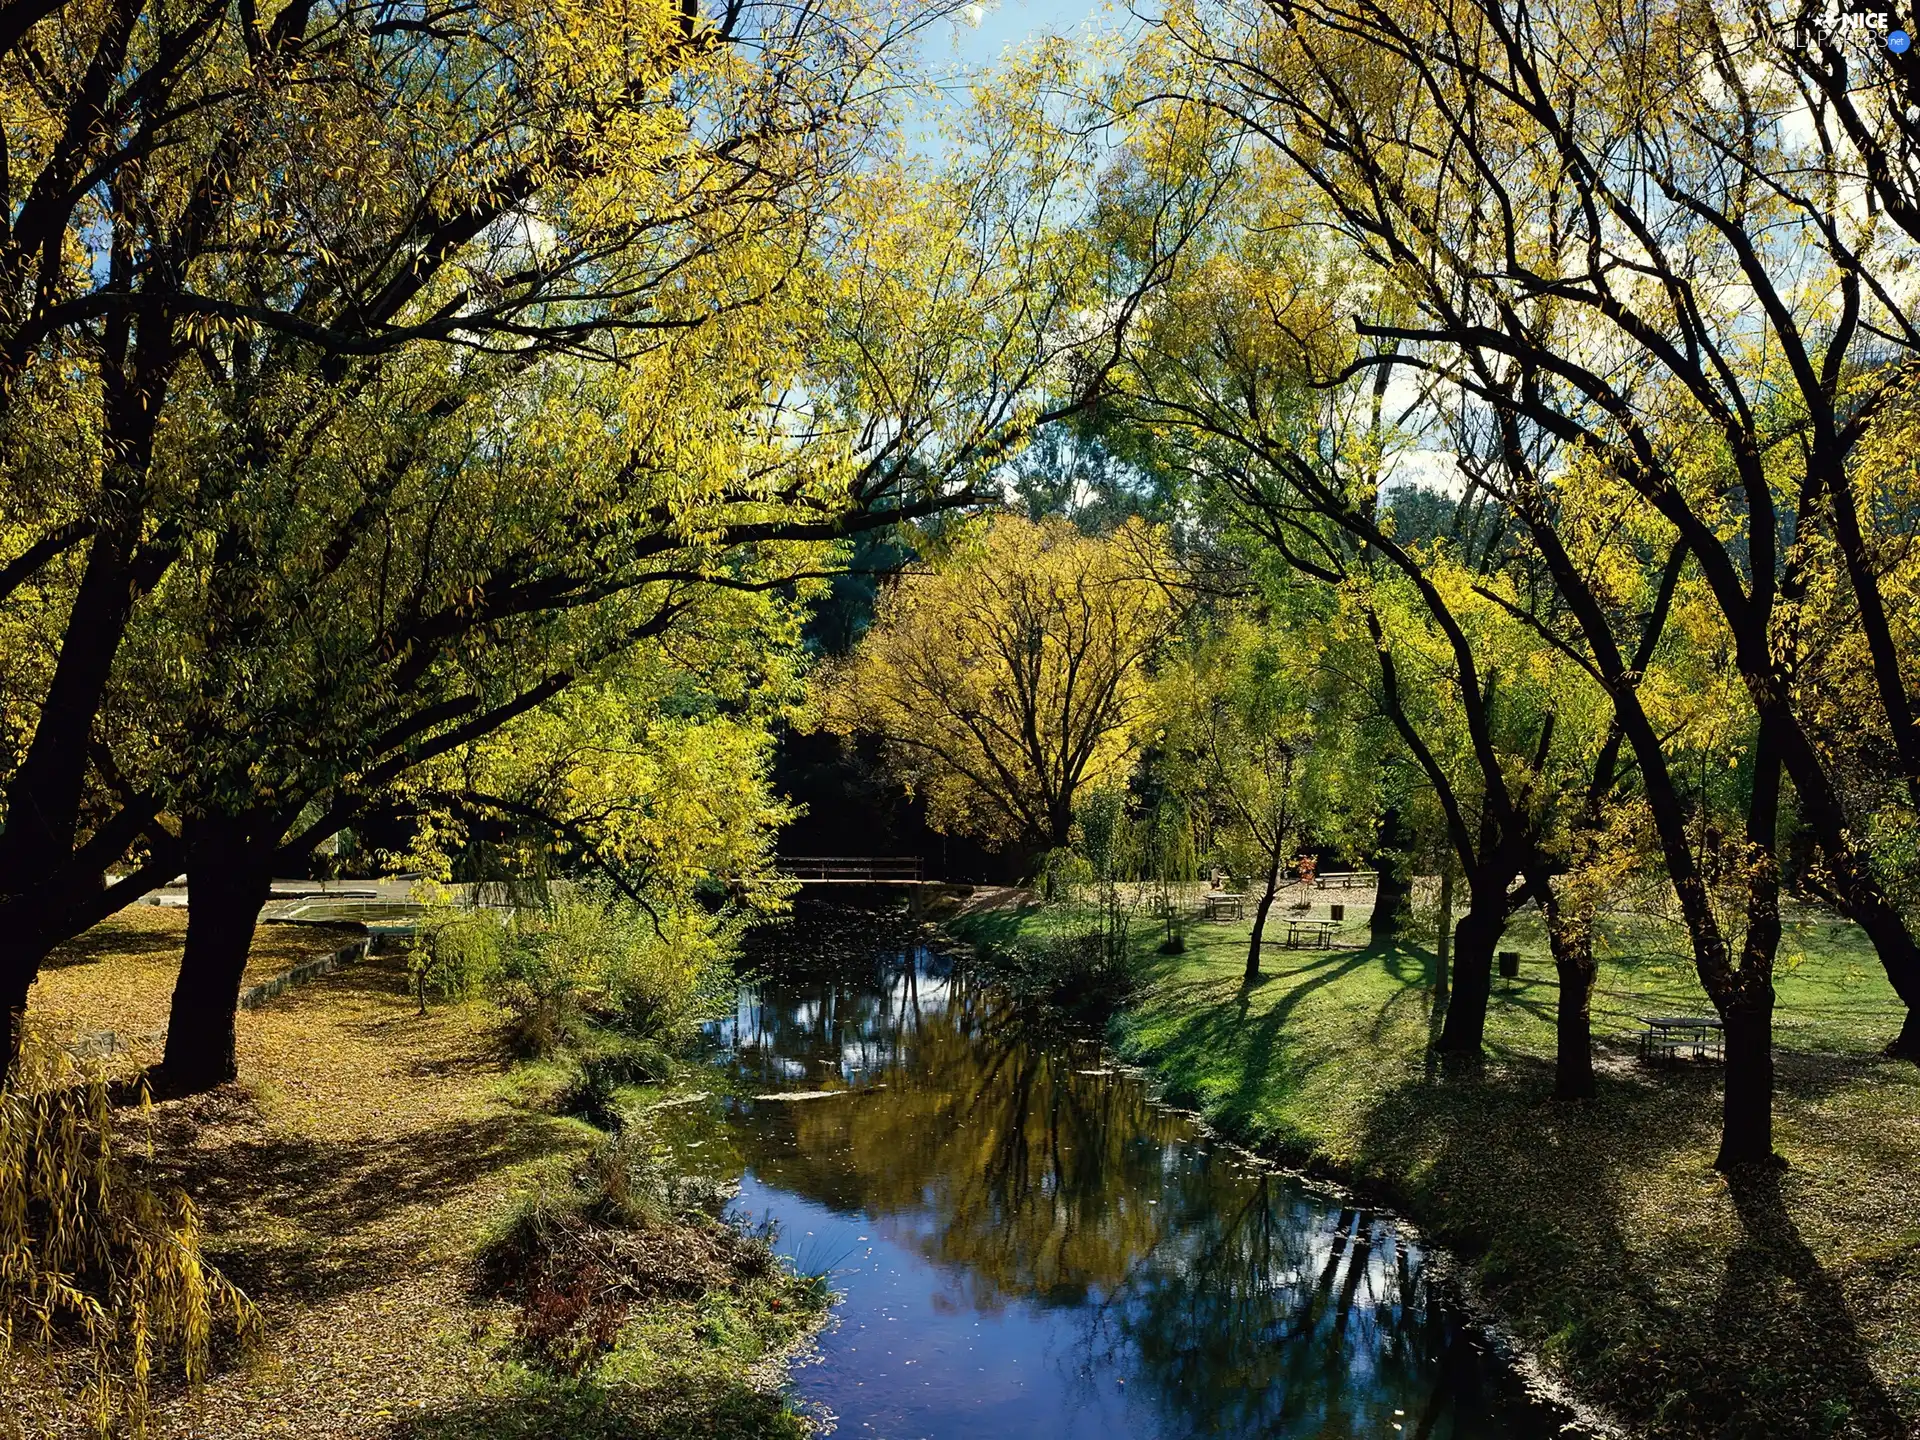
(1224, 385)
(1247, 709)
(335, 188)
(449, 357)
(721, 328)
(1011, 676)
(1634, 239)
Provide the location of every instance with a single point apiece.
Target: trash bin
(1339, 912)
(1509, 964)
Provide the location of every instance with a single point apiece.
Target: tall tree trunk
(1476, 936)
(1710, 950)
(1573, 1027)
(1395, 886)
(1260, 911)
(1571, 936)
(44, 798)
(1893, 941)
(229, 874)
(1906, 1045)
(1746, 1117)
(1864, 900)
(46, 791)
(1882, 648)
(18, 966)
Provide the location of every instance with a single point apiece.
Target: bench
(1225, 905)
(1309, 935)
(1666, 1035)
(1345, 879)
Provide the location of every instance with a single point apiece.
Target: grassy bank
(351, 1182)
(1685, 1304)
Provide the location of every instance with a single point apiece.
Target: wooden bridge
(854, 869)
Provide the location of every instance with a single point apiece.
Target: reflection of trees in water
(1291, 1323)
(855, 1022)
(1232, 1302)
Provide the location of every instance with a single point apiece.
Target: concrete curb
(254, 996)
(103, 1043)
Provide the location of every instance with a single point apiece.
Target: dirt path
(345, 1180)
(347, 1187)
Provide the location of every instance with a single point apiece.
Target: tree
(1256, 710)
(278, 213)
(365, 568)
(1556, 152)
(1735, 180)
(1232, 398)
(651, 777)
(1011, 675)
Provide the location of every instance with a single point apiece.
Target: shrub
(593, 1095)
(625, 1233)
(102, 1281)
(588, 957)
(1085, 973)
(1059, 872)
(456, 955)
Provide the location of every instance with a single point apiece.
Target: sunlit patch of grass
(118, 977)
(1692, 1305)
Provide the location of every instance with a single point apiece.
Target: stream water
(1026, 1245)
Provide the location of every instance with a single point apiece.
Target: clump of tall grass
(104, 1288)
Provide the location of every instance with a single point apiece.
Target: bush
(102, 1281)
(589, 958)
(594, 1094)
(627, 1232)
(457, 955)
(1084, 973)
(1059, 872)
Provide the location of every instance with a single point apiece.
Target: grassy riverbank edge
(1655, 1295)
(353, 1179)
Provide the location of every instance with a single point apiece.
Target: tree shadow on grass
(303, 1220)
(156, 940)
(696, 1409)
(1232, 1059)
(301, 1217)
(1714, 1320)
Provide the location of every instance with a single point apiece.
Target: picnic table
(1667, 1035)
(1309, 935)
(1226, 905)
(1345, 879)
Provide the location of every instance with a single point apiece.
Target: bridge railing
(852, 867)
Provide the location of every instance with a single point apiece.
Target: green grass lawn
(1688, 1305)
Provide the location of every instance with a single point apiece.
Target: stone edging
(102, 1043)
(254, 996)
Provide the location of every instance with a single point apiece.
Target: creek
(1025, 1244)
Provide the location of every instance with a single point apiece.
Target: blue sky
(962, 50)
(1009, 23)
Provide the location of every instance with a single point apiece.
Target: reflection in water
(1027, 1246)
